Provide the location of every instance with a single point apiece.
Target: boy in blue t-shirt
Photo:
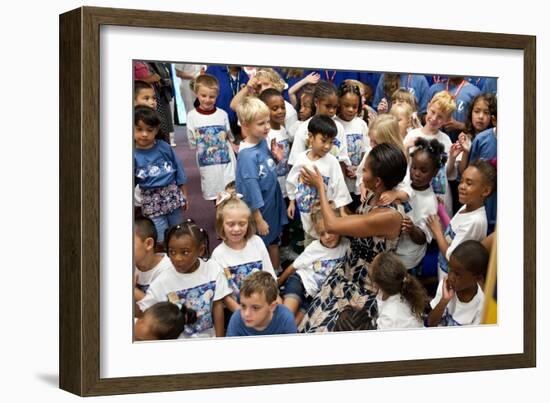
(260, 314)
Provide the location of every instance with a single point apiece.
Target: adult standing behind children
(256, 176)
(375, 229)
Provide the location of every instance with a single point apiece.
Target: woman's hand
(312, 178)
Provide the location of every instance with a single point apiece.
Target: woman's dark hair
(188, 227)
(322, 90)
(170, 320)
(151, 118)
(347, 88)
(491, 100)
(388, 163)
(324, 125)
(390, 274)
(488, 172)
(434, 149)
(269, 93)
(352, 318)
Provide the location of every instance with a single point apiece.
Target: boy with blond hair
(259, 313)
(439, 112)
(209, 132)
(256, 176)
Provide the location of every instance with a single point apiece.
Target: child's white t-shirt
(459, 313)
(239, 264)
(421, 205)
(395, 313)
(292, 130)
(357, 140)
(291, 116)
(440, 183)
(197, 291)
(339, 148)
(283, 141)
(306, 196)
(463, 227)
(208, 133)
(316, 262)
(145, 278)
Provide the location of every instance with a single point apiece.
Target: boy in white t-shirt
(148, 264)
(322, 131)
(459, 298)
(209, 132)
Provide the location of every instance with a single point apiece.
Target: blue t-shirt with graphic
(158, 166)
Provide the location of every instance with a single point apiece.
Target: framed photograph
(97, 49)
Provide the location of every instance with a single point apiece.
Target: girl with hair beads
(158, 172)
(325, 102)
(356, 131)
(401, 299)
(470, 222)
(265, 78)
(242, 252)
(163, 321)
(427, 158)
(197, 283)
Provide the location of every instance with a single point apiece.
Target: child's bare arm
(285, 275)
(217, 315)
(231, 303)
(249, 89)
(435, 226)
(261, 225)
(415, 233)
(311, 78)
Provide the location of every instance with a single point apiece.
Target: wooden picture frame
(80, 200)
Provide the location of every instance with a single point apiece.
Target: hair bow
(224, 196)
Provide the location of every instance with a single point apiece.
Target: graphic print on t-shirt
(236, 275)
(448, 320)
(153, 169)
(200, 299)
(282, 165)
(307, 195)
(441, 260)
(322, 268)
(142, 287)
(212, 145)
(336, 144)
(355, 145)
(439, 181)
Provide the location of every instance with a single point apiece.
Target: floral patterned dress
(349, 283)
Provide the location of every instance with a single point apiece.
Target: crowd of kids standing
(377, 170)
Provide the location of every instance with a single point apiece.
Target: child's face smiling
(349, 105)
(207, 97)
(481, 116)
(235, 224)
(144, 135)
(472, 189)
(277, 110)
(320, 145)
(327, 239)
(327, 105)
(147, 97)
(184, 253)
(422, 170)
(436, 118)
(256, 312)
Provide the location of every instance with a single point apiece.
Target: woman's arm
(381, 222)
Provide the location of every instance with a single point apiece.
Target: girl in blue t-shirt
(158, 173)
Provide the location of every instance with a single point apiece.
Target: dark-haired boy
(459, 299)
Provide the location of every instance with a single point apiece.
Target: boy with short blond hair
(256, 177)
(259, 313)
(209, 132)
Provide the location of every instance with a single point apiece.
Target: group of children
(255, 180)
